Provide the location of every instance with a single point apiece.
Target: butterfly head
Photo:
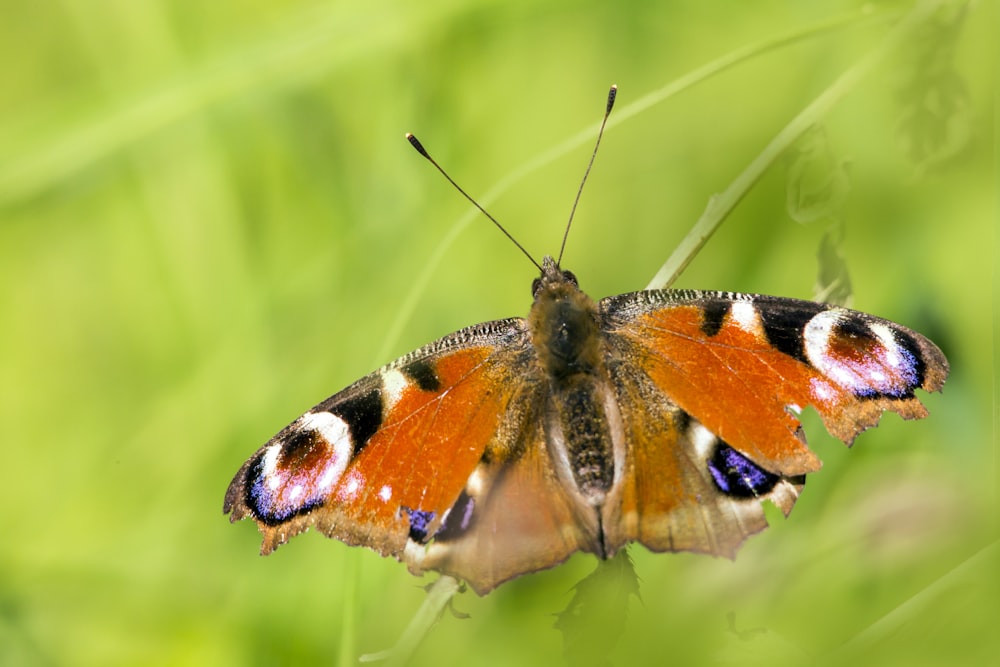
(552, 277)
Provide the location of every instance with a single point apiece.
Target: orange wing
(386, 458)
(710, 383)
(437, 459)
(440, 459)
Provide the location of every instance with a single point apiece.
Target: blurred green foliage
(209, 220)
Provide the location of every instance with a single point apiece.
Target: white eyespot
(337, 435)
(333, 429)
(330, 476)
(385, 493)
(884, 334)
(817, 335)
(269, 464)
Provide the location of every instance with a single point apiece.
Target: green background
(209, 220)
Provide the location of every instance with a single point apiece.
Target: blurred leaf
(817, 181)
(935, 110)
(817, 187)
(833, 283)
(596, 617)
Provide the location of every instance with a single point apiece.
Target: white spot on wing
(744, 315)
(352, 484)
(822, 390)
(702, 439)
(270, 464)
(385, 493)
(394, 383)
(333, 429)
(817, 336)
(884, 334)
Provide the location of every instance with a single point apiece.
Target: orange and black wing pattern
(710, 383)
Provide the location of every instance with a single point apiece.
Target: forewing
(744, 365)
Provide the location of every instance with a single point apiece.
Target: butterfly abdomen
(579, 418)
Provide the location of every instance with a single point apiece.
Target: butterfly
(663, 417)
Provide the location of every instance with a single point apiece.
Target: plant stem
(438, 596)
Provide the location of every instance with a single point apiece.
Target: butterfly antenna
(423, 151)
(612, 94)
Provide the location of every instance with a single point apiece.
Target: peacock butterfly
(663, 417)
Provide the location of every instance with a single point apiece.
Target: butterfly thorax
(580, 412)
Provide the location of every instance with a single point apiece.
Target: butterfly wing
(389, 455)
(441, 458)
(520, 518)
(683, 488)
(437, 459)
(710, 383)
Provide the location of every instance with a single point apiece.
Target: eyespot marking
(295, 474)
(865, 358)
(737, 476)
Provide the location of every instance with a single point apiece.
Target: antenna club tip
(612, 94)
(416, 144)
